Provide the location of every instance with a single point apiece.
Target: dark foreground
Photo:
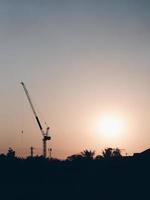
(40, 179)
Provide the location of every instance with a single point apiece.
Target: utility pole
(50, 153)
(32, 151)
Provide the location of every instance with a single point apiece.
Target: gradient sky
(79, 59)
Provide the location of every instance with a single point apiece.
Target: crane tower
(45, 135)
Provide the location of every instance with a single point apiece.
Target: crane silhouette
(45, 135)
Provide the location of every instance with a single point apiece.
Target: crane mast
(44, 134)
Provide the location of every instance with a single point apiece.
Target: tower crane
(45, 135)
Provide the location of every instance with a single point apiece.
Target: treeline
(81, 176)
(84, 155)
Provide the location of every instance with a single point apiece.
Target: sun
(110, 125)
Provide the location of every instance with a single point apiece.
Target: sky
(80, 60)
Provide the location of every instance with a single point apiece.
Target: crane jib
(38, 121)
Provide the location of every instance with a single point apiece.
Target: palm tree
(88, 154)
(111, 153)
(117, 153)
(107, 153)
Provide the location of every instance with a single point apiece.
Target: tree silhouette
(88, 154)
(117, 153)
(107, 153)
(11, 153)
(110, 153)
(75, 157)
(98, 157)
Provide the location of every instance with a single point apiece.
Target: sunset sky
(81, 60)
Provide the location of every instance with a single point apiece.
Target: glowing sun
(110, 125)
